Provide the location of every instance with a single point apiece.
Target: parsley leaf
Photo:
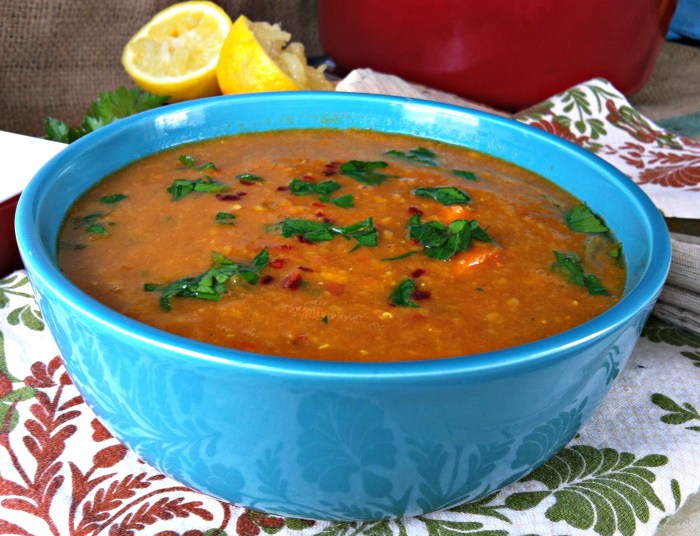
(363, 232)
(108, 107)
(224, 218)
(400, 296)
(399, 257)
(582, 219)
(181, 187)
(249, 177)
(212, 284)
(112, 199)
(308, 230)
(365, 172)
(569, 265)
(468, 175)
(90, 224)
(343, 201)
(447, 195)
(324, 190)
(422, 156)
(189, 162)
(299, 187)
(442, 241)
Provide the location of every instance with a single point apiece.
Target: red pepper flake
(417, 272)
(277, 263)
(283, 188)
(308, 178)
(305, 269)
(317, 204)
(247, 183)
(415, 210)
(266, 279)
(329, 172)
(421, 295)
(283, 247)
(292, 281)
(299, 339)
(323, 217)
(230, 197)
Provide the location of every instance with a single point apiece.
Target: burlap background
(57, 55)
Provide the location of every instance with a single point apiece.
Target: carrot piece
(479, 253)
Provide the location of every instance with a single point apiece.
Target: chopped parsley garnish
(581, 219)
(299, 187)
(422, 156)
(468, 175)
(323, 190)
(365, 172)
(342, 201)
(189, 162)
(616, 254)
(249, 177)
(181, 187)
(325, 319)
(444, 241)
(90, 224)
(108, 107)
(447, 195)
(224, 218)
(112, 199)
(569, 265)
(363, 232)
(212, 284)
(399, 257)
(401, 295)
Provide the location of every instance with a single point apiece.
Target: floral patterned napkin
(633, 464)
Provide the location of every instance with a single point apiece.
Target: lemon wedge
(257, 56)
(177, 51)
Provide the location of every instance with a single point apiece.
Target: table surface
(672, 99)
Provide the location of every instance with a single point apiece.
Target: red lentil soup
(341, 245)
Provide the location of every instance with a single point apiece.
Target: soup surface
(341, 245)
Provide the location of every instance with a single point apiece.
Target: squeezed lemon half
(177, 51)
(257, 56)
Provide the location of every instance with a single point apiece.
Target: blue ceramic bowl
(330, 440)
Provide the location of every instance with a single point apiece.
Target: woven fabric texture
(59, 54)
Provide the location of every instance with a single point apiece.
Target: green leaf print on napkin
(678, 414)
(600, 489)
(659, 331)
(693, 356)
(30, 318)
(9, 286)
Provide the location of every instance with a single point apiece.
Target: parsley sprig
(446, 195)
(323, 190)
(365, 172)
(582, 219)
(363, 232)
(442, 241)
(421, 155)
(569, 265)
(91, 224)
(212, 284)
(108, 107)
(401, 295)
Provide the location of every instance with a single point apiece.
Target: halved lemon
(257, 56)
(177, 51)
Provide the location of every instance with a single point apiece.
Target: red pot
(509, 54)
(9, 254)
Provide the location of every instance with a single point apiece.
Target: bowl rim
(40, 265)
